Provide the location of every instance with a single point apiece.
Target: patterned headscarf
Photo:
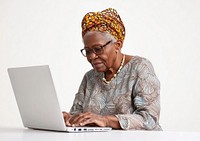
(107, 20)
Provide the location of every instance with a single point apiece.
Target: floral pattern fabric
(133, 96)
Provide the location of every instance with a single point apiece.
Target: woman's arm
(146, 101)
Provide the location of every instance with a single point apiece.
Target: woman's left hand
(88, 118)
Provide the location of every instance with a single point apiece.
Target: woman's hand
(66, 117)
(87, 118)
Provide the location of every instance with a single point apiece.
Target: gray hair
(107, 35)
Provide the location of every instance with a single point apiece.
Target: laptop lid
(36, 97)
(37, 100)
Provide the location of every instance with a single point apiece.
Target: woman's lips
(97, 65)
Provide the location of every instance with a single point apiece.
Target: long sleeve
(77, 106)
(145, 100)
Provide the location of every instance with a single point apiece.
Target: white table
(23, 134)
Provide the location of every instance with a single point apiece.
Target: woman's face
(107, 58)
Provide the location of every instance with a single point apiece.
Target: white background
(167, 32)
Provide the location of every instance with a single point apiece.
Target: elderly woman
(121, 91)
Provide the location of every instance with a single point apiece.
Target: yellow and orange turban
(107, 20)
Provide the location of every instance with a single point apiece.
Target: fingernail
(67, 123)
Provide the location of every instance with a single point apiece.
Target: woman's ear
(118, 45)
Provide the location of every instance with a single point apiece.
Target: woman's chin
(99, 69)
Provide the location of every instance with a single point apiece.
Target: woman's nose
(92, 56)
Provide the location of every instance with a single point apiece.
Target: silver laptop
(37, 100)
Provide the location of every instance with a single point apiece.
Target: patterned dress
(133, 96)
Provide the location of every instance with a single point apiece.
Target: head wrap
(107, 20)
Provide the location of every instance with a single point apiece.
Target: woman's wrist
(112, 121)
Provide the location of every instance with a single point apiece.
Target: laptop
(37, 100)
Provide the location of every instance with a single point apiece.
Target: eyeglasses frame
(93, 49)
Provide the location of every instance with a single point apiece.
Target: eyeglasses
(97, 50)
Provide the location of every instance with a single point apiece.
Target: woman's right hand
(66, 117)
